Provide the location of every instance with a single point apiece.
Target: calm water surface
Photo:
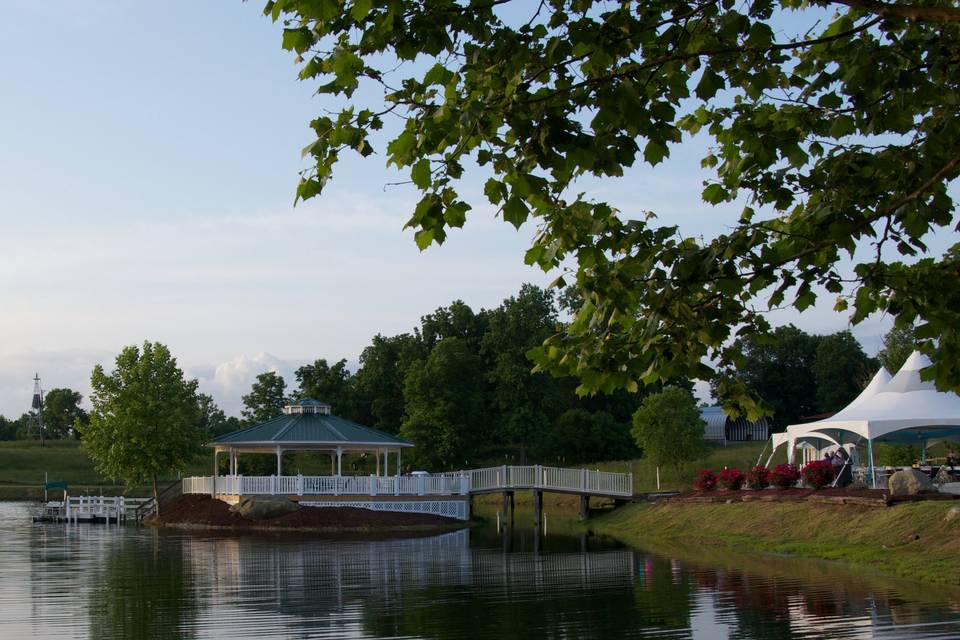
(98, 582)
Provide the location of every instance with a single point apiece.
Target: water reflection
(482, 583)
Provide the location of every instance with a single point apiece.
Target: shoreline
(911, 540)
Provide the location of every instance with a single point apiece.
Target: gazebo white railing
(447, 484)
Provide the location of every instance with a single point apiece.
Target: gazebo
(308, 425)
(901, 409)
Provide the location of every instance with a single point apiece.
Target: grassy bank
(909, 540)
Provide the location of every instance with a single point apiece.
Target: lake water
(93, 581)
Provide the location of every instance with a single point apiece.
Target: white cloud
(228, 381)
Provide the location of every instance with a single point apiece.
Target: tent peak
(916, 362)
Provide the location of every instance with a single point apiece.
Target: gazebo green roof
(304, 424)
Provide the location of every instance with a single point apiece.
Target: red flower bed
(818, 474)
(758, 478)
(706, 481)
(784, 476)
(731, 479)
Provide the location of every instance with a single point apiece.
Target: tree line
(460, 387)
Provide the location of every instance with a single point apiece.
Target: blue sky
(148, 161)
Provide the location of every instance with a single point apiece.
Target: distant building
(720, 428)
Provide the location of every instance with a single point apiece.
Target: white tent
(901, 409)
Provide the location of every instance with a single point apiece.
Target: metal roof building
(308, 425)
(720, 428)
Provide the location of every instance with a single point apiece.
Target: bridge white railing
(438, 484)
(551, 479)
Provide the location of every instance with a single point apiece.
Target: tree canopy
(898, 344)
(835, 120)
(145, 420)
(61, 409)
(668, 428)
(266, 399)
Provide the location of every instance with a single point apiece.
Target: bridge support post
(584, 507)
(508, 505)
(538, 506)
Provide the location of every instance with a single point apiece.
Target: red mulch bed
(786, 495)
(205, 511)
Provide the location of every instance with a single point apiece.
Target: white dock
(93, 509)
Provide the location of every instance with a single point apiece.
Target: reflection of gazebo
(307, 425)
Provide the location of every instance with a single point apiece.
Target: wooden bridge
(429, 491)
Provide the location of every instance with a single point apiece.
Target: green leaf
(361, 9)
(655, 152)
(515, 211)
(421, 173)
(714, 194)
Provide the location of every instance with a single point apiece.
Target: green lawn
(741, 456)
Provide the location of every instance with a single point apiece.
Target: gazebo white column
(213, 485)
(279, 461)
(339, 461)
(386, 463)
(376, 455)
(398, 460)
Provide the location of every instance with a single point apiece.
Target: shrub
(784, 476)
(732, 479)
(818, 474)
(758, 477)
(706, 480)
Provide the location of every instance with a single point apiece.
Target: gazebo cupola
(307, 406)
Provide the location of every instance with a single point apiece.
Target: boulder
(909, 482)
(264, 507)
(952, 514)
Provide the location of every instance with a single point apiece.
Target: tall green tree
(838, 137)
(379, 380)
(522, 404)
(266, 399)
(841, 370)
(898, 344)
(444, 405)
(668, 428)
(145, 420)
(61, 409)
(779, 369)
(330, 384)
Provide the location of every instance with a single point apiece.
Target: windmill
(36, 406)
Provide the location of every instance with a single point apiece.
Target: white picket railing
(442, 484)
(420, 485)
(551, 478)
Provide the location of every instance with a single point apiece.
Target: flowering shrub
(758, 477)
(732, 479)
(784, 476)
(706, 481)
(818, 474)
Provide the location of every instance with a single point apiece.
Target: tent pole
(759, 457)
(872, 471)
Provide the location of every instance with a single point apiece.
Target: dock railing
(506, 477)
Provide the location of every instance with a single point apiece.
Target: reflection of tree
(142, 591)
(522, 596)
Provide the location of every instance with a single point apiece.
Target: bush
(818, 474)
(784, 476)
(732, 479)
(706, 481)
(758, 477)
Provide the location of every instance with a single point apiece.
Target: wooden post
(584, 506)
(537, 506)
